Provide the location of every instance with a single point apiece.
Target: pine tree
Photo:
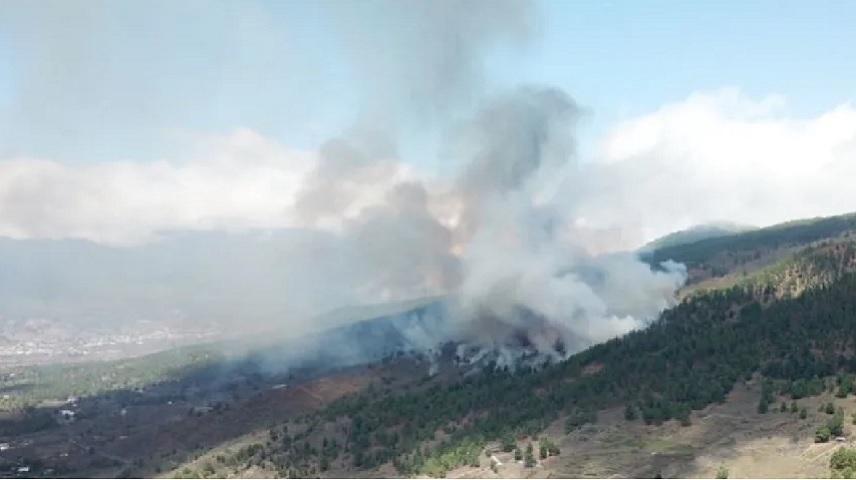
(630, 413)
(845, 387)
(530, 456)
(508, 442)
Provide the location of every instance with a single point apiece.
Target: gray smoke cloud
(525, 273)
(421, 61)
(502, 245)
(520, 280)
(499, 236)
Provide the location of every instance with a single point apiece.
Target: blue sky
(617, 58)
(624, 58)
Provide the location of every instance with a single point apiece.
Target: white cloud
(714, 156)
(237, 181)
(722, 156)
(240, 181)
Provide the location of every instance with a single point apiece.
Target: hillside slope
(695, 234)
(747, 251)
(739, 374)
(792, 321)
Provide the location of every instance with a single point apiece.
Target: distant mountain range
(211, 276)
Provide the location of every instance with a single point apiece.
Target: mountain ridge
(694, 234)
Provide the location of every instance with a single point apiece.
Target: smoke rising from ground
(526, 277)
(508, 252)
(492, 235)
(500, 235)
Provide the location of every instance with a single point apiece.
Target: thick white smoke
(500, 234)
(493, 236)
(505, 248)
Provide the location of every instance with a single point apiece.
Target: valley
(39, 341)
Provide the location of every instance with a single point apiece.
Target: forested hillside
(817, 264)
(752, 244)
(795, 324)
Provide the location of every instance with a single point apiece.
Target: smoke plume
(499, 237)
(493, 236)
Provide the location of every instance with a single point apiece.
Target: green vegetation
(842, 464)
(787, 234)
(550, 445)
(767, 397)
(833, 428)
(577, 419)
(630, 413)
(722, 472)
(845, 386)
(691, 357)
(812, 266)
(35, 384)
(529, 458)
